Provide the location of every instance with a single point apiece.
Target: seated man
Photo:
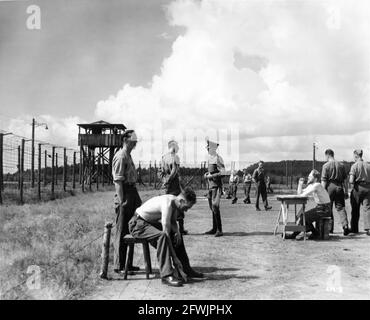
(155, 221)
(323, 206)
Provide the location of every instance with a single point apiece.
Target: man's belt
(326, 205)
(336, 182)
(129, 184)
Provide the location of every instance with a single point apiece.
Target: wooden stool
(323, 227)
(129, 241)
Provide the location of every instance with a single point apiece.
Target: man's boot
(346, 231)
(214, 225)
(219, 232)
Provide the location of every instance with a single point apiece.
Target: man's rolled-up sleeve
(118, 169)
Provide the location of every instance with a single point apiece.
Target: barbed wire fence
(55, 169)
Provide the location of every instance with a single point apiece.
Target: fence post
(155, 174)
(150, 173)
(286, 173)
(102, 170)
(1, 168)
(200, 174)
(21, 170)
(39, 174)
(45, 167)
(19, 167)
(291, 174)
(105, 250)
(74, 171)
(52, 172)
(80, 169)
(56, 168)
(64, 169)
(97, 172)
(91, 167)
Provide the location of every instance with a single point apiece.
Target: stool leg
(304, 222)
(149, 259)
(130, 257)
(146, 259)
(130, 253)
(148, 255)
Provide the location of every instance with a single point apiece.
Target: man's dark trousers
(359, 195)
(214, 197)
(142, 229)
(247, 190)
(124, 213)
(261, 191)
(337, 198)
(314, 215)
(234, 190)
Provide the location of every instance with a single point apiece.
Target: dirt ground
(249, 262)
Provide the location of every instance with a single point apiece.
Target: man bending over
(155, 221)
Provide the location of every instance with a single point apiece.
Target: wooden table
(282, 219)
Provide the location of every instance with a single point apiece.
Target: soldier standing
(216, 168)
(233, 185)
(359, 180)
(259, 179)
(171, 178)
(333, 178)
(247, 180)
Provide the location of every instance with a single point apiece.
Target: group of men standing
(263, 185)
(160, 220)
(333, 179)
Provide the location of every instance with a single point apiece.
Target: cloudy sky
(265, 78)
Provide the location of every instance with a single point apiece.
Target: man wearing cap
(333, 178)
(170, 177)
(233, 182)
(359, 181)
(259, 179)
(247, 179)
(127, 198)
(216, 168)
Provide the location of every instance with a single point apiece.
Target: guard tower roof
(102, 125)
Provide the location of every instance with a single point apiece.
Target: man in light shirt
(233, 183)
(126, 199)
(247, 179)
(322, 200)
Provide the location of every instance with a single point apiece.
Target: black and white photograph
(183, 155)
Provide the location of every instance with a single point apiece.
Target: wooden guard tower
(97, 144)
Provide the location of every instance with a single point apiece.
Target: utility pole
(314, 156)
(33, 154)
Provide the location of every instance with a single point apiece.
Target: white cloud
(314, 79)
